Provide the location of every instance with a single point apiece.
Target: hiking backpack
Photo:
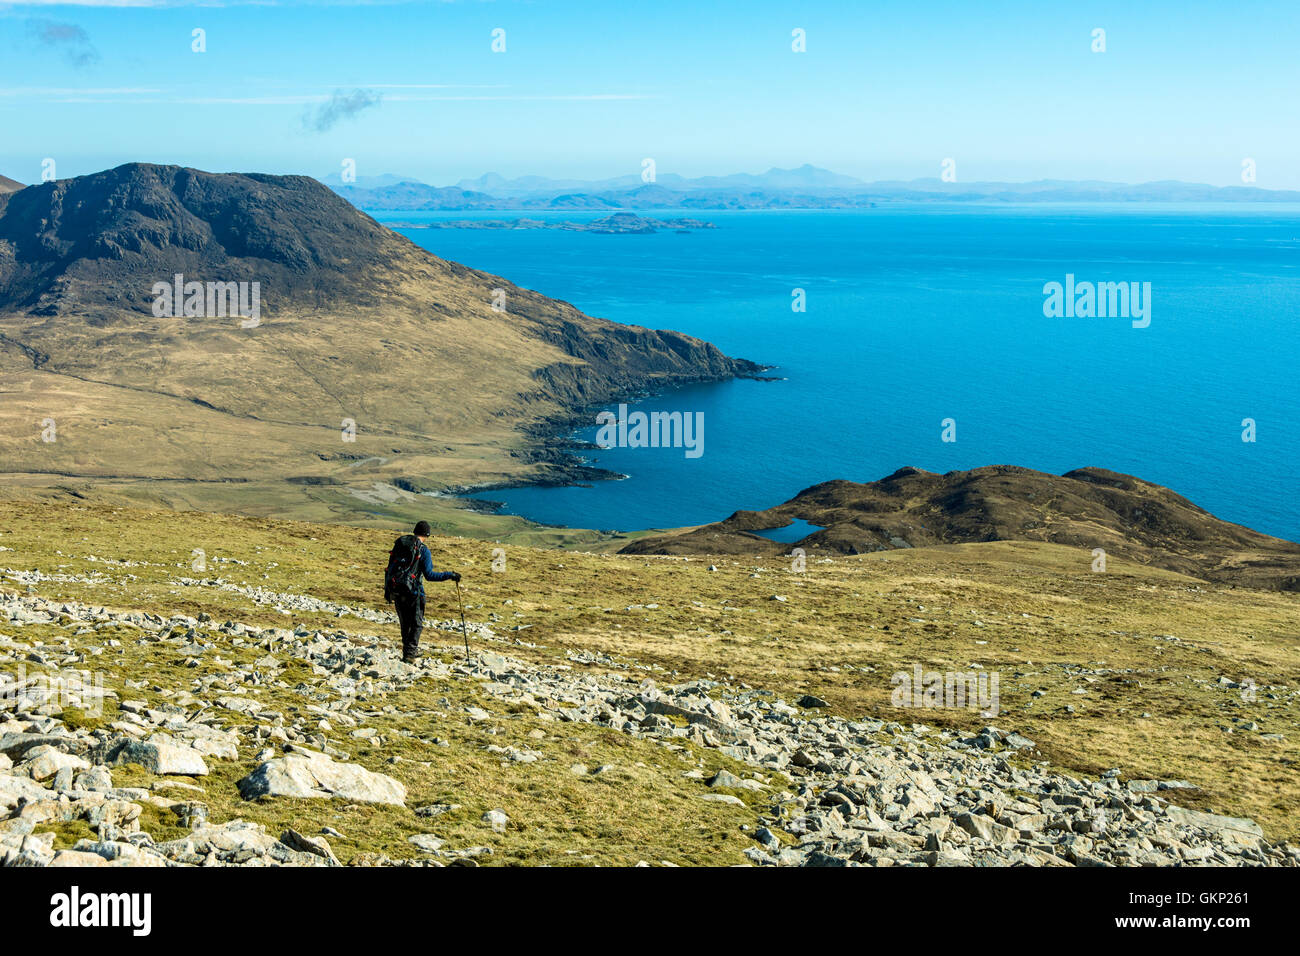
(403, 574)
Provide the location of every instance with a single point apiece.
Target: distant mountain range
(617, 224)
(806, 187)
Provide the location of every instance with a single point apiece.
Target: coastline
(554, 442)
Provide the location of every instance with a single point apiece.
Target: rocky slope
(1086, 508)
(824, 791)
(445, 371)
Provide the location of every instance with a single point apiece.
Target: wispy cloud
(206, 3)
(72, 40)
(526, 96)
(160, 3)
(325, 108)
(339, 107)
(103, 3)
(60, 91)
(436, 86)
(97, 3)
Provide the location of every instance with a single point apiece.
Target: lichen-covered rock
(119, 853)
(43, 762)
(157, 757)
(15, 789)
(304, 774)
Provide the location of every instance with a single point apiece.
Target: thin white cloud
(105, 3)
(436, 86)
(593, 97)
(153, 96)
(146, 4)
(139, 3)
(52, 91)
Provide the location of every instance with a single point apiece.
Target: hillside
(1086, 508)
(620, 709)
(8, 185)
(451, 376)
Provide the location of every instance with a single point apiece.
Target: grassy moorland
(1120, 669)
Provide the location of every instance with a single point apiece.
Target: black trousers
(410, 614)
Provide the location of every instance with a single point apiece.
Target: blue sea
(920, 313)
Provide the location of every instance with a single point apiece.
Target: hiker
(409, 564)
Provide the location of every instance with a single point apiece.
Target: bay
(916, 314)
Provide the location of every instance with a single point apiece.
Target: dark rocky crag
(88, 243)
(98, 242)
(1086, 508)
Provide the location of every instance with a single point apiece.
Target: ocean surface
(916, 314)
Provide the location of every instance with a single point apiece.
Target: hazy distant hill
(413, 195)
(8, 185)
(334, 180)
(618, 223)
(807, 187)
(1049, 190)
(1086, 508)
(357, 324)
(805, 177)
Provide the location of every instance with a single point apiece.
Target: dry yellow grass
(1147, 647)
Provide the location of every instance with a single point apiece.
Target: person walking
(410, 564)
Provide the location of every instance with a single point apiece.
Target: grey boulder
(159, 758)
(309, 775)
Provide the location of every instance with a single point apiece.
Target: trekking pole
(463, 629)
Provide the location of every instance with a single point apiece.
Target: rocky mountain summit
(1086, 508)
(809, 788)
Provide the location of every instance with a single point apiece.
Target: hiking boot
(412, 659)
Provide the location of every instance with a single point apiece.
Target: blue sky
(1011, 91)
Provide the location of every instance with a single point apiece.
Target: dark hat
(422, 529)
